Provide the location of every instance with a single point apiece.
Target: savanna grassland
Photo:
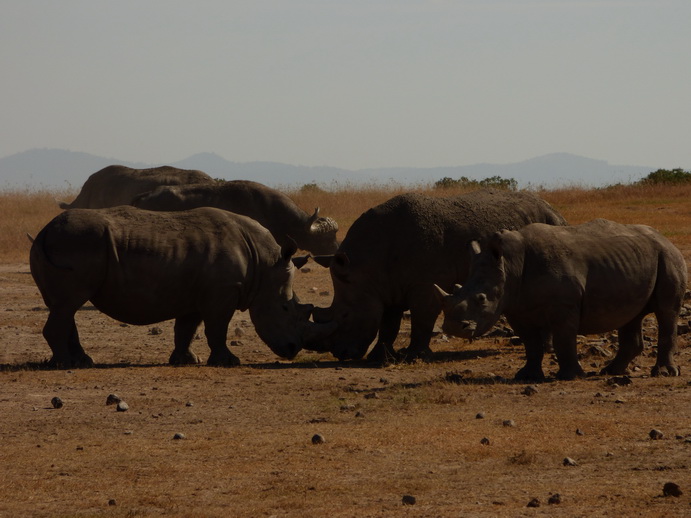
(457, 433)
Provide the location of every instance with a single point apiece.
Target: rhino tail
(38, 252)
(64, 205)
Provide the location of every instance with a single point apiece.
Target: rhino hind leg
(666, 346)
(185, 329)
(60, 331)
(630, 346)
(565, 348)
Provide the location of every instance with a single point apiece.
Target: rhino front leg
(383, 351)
(534, 352)
(666, 346)
(630, 346)
(185, 329)
(216, 331)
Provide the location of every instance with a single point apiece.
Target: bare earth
(388, 432)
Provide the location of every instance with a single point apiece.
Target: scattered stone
(236, 343)
(305, 269)
(359, 414)
(408, 500)
(480, 415)
(530, 390)
(122, 407)
(655, 434)
(535, 502)
(239, 332)
(579, 431)
(383, 381)
(568, 461)
(371, 395)
(554, 499)
(189, 403)
(112, 399)
(318, 439)
(56, 402)
(112, 502)
(671, 489)
(179, 436)
(155, 331)
(619, 401)
(509, 423)
(324, 293)
(484, 441)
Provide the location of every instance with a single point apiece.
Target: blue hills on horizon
(62, 169)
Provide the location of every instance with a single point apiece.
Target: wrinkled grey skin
(271, 208)
(394, 253)
(118, 185)
(557, 282)
(143, 267)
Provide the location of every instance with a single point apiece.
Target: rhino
(143, 267)
(394, 253)
(553, 283)
(273, 209)
(118, 185)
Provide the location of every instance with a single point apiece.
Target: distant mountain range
(62, 169)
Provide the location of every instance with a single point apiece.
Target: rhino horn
(440, 294)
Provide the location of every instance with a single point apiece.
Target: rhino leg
(216, 331)
(60, 331)
(424, 310)
(185, 329)
(383, 351)
(666, 346)
(565, 348)
(534, 352)
(630, 346)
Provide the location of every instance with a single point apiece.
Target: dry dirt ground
(456, 434)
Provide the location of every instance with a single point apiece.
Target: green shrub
(677, 175)
(496, 182)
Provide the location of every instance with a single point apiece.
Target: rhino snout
(461, 328)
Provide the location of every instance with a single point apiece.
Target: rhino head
(472, 309)
(355, 311)
(320, 234)
(279, 318)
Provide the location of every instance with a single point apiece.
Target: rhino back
(271, 208)
(142, 267)
(119, 185)
(609, 270)
(414, 238)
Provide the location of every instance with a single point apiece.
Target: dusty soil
(400, 431)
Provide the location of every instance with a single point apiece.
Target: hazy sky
(351, 83)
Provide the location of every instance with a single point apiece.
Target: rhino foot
(570, 374)
(224, 359)
(614, 370)
(665, 370)
(409, 355)
(383, 355)
(183, 358)
(530, 373)
(83, 361)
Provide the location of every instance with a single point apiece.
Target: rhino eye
(481, 299)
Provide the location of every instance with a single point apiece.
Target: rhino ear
(300, 261)
(288, 249)
(314, 216)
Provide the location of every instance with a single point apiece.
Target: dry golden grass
(389, 432)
